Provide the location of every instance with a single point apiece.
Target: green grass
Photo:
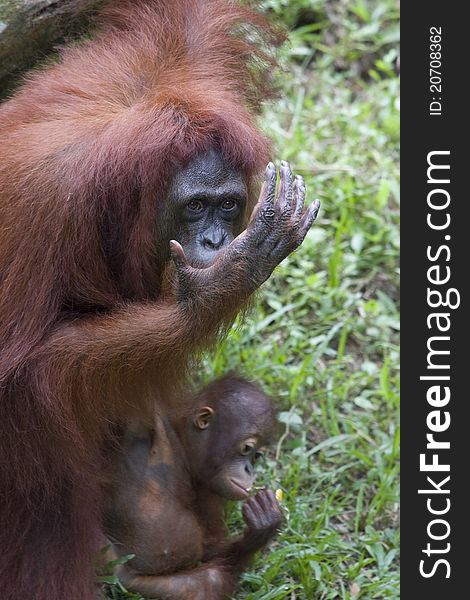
(323, 337)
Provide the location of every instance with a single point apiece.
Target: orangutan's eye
(228, 205)
(194, 205)
(246, 448)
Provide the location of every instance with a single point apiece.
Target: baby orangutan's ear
(203, 417)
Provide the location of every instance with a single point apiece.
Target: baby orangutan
(169, 487)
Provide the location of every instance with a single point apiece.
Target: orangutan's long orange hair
(87, 148)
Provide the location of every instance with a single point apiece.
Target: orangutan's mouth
(245, 491)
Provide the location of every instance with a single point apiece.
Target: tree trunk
(31, 29)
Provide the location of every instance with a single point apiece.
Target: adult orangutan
(168, 486)
(135, 142)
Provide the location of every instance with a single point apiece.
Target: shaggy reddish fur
(88, 146)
